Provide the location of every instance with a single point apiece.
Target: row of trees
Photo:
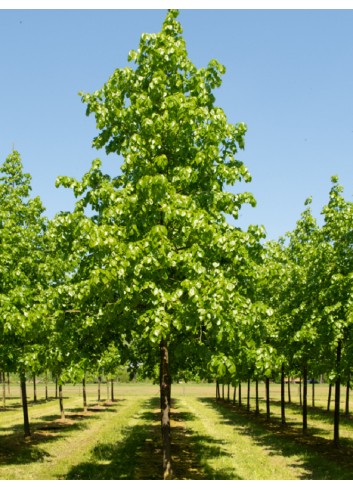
(156, 277)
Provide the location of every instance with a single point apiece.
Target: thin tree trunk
(165, 410)
(305, 399)
(107, 390)
(135, 378)
(56, 387)
(84, 394)
(24, 405)
(34, 388)
(228, 392)
(112, 389)
(347, 396)
(234, 395)
(313, 391)
(46, 385)
(248, 400)
(329, 397)
(216, 389)
(289, 397)
(99, 390)
(239, 394)
(8, 384)
(61, 402)
(336, 436)
(223, 392)
(257, 411)
(300, 391)
(3, 390)
(268, 398)
(283, 415)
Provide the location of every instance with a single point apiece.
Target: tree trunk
(165, 410)
(84, 394)
(289, 397)
(347, 396)
(248, 400)
(239, 394)
(24, 405)
(300, 391)
(135, 378)
(336, 435)
(283, 416)
(228, 392)
(223, 392)
(257, 411)
(313, 391)
(56, 387)
(61, 402)
(107, 390)
(305, 399)
(329, 397)
(268, 398)
(34, 388)
(112, 389)
(3, 390)
(46, 385)
(99, 390)
(234, 395)
(217, 390)
(8, 384)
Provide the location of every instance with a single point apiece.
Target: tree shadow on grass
(117, 461)
(318, 457)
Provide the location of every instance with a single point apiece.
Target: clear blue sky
(289, 78)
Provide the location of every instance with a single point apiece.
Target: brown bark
(283, 414)
(329, 397)
(61, 402)
(289, 397)
(267, 398)
(24, 405)
(234, 395)
(257, 411)
(165, 410)
(99, 390)
(228, 392)
(46, 385)
(84, 394)
(336, 432)
(112, 389)
(216, 389)
(3, 390)
(8, 384)
(135, 378)
(313, 393)
(239, 391)
(347, 396)
(34, 388)
(300, 391)
(305, 399)
(248, 400)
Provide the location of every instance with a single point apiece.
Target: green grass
(222, 442)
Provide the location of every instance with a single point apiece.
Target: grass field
(210, 440)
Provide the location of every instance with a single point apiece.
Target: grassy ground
(209, 440)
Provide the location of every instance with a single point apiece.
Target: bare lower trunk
(257, 411)
(217, 390)
(56, 387)
(107, 390)
(84, 394)
(34, 388)
(46, 385)
(313, 391)
(61, 402)
(228, 392)
(135, 378)
(3, 390)
(8, 384)
(289, 397)
(24, 405)
(347, 396)
(267, 398)
(99, 390)
(305, 399)
(112, 389)
(329, 397)
(234, 395)
(283, 414)
(165, 410)
(248, 400)
(336, 435)
(239, 391)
